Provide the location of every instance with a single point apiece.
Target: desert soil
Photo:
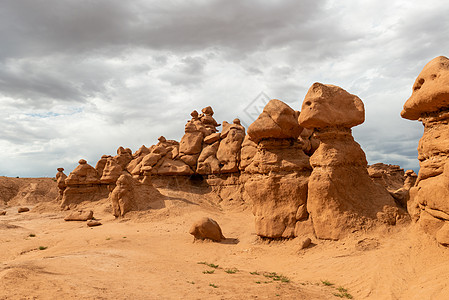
(151, 255)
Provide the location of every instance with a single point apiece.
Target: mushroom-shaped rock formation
(430, 91)
(341, 195)
(344, 110)
(429, 102)
(83, 184)
(278, 172)
(277, 120)
(60, 180)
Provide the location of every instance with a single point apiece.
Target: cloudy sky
(79, 78)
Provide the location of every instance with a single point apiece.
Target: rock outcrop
(83, 184)
(278, 172)
(130, 194)
(397, 182)
(341, 195)
(429, 103)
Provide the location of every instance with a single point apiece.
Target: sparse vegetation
(207, 264)
(213, 285)
(231, 271)
(276, 277)
(343, 295)
(107, 239)
(254, 273)
(341, 289)
(327, 283)
(209, 272)
(191, 282)
(32, 235)
(258, 282)
(42, 248)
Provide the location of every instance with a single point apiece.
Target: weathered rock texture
(341, 195)
(130, 194)
(83, 184)
(278, 172)
(206, 228)
(397, 182)
(429, 103)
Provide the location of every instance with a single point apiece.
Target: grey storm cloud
(80, 78)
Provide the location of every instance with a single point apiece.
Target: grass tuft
(207, 264)
(213, 285)
(42, 248)
(274, 276)
(32, 235)
(231, 271)
(254, 273)
(209, 272)
(327, 283)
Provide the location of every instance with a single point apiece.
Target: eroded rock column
(341, 195)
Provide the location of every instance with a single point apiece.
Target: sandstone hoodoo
(341, 195)
(278, 173)
(83, 184)
(326, 192)
(429, 103)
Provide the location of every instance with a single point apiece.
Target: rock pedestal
(278, 172)
(429, 103)
(341, 195)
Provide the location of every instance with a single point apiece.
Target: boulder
(206, 228)
(228, 153)
(277, 120)
(22, 209)
(430, 90)
(328, 105)
(79, 216)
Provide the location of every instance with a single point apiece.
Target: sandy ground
(150, 255)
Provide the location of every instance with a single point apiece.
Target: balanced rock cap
(430, 91)
(277, 120)
(327, 105)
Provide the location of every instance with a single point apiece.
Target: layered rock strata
(279, 171)
(429, 103)
(341, 195)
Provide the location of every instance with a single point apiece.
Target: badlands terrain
(301, 213)
(151, 255)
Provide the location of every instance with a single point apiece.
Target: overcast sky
(80, 78)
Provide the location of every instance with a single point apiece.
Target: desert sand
(151, 255)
